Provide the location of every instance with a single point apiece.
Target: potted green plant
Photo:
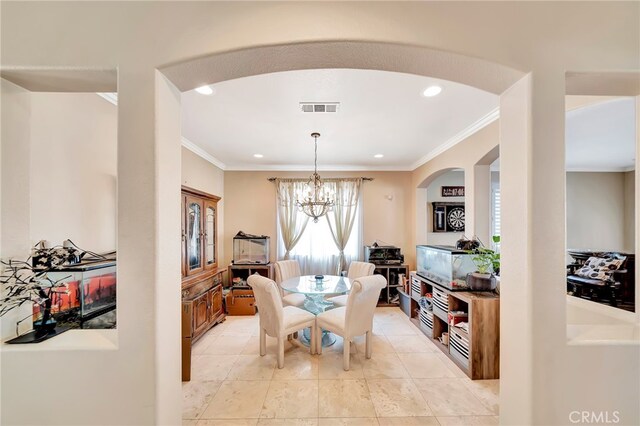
(487, 263)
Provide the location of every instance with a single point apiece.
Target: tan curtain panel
(292, 224)
(344, 212)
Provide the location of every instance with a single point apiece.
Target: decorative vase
(481, 282)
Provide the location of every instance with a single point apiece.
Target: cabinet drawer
(194, 291)
(416, 288)
(459, 347)
(426, 322)
(440, 303)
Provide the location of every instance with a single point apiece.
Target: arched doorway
(214, 68)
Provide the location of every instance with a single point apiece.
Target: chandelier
(315, 199)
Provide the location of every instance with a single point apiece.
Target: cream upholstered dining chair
(356, 318)
(278, 321)
(286, 269)
(356, 270)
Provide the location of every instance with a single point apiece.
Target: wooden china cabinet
(201, 279)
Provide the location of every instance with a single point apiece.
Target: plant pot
(481, 282)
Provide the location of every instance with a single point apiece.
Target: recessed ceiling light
(379, 155)
(205, 90)
(432, 91)
(258, 155)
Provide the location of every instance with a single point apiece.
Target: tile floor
(408, 381)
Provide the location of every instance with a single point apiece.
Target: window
(495, 212)
(317, 252)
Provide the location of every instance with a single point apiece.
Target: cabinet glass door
(194, 235)
(210, 236)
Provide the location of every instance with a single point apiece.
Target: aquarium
(250, 250)
(444, 265)
(90, 290)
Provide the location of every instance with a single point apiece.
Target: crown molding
(202, 153)
(600, 169)
(459, 137)
(324, 168)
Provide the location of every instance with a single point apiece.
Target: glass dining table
(315, 288)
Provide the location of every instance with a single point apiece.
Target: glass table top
(307, 284)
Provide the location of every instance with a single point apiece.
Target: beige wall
(251, 206)
(73, 170)
(629, 211)
(596, 211)
(543, 378)
(198, 173)
(434, 193)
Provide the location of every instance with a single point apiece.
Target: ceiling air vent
(319, 107)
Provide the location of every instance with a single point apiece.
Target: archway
(474, 72)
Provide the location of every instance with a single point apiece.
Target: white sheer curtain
(291, 224)
(316, 250)
(343, 216)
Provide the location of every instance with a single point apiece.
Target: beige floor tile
(388, 314)
(397, 398)
(383, 366)
(237, 399)
(338, 346)
(398, 328)
(349, 421)
(211, 367)
(411, 344)
(424, 365)
(291, 399)
(253, 346)
(227, 345)
(299, 364)
(450, 397)
(487, 391)
(408, 421)
(469, 421)
(330, 367)
(339, 402)
(379, 344)
(186, 422)
(253, 367)
(196, 396)
(240, 325)
(344, 398)
(227, 422)
(288, 422)
(452, 366)
(199, 347)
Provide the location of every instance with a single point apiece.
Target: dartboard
(455, 218)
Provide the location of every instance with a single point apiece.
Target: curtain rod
(366, 179)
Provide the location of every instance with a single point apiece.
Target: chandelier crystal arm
(315, 200)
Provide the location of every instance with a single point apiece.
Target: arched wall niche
(469, 155)
(426, 194)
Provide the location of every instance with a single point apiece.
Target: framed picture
(448, 217)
